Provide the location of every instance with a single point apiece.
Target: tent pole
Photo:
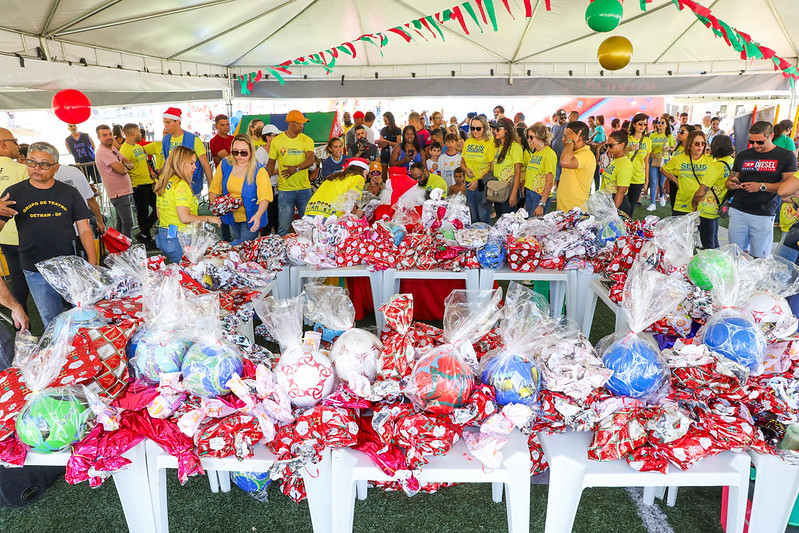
(793, 100)
(227, 94)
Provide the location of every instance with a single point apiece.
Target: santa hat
(358, 162)
(172, 113)
(401, 182)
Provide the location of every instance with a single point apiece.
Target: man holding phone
(362, 147)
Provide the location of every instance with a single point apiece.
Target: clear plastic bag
(303, 372)
(196, 239)
(256, 484)
(777, 279)
(345, 203)
(443, 377)
(677, 237)
(639, 369)
(511, 369)
(731, 332)
(128, 269)
(330, 309)
(609, 224)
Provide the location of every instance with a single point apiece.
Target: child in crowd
(450, 160)
(437, 136)
(432, 160)
(459, 186)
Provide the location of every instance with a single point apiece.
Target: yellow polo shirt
(236, 183)
(177, 194)
(477, 156)
(290, 152)
(575, 183)
(11, 172)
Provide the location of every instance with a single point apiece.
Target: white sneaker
(651, 207)
(662, 201)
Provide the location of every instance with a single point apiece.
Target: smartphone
(172, 231)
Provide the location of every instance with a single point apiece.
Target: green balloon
(715, 262)
(51, 421)
(604, 15)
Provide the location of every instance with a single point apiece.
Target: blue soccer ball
(208, 367)
(328, 335)
(737, 338)
(515, 379)
(157, 352)
(251, 481)
(610, 232)
(133, 341)
(491, 255)
(638, 369)
(67, 324)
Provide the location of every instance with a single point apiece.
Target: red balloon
(72, 106)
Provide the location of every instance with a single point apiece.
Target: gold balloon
(615, 52)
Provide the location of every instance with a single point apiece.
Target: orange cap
(375, 165)
(296, 116)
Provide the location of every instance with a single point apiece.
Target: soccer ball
(208, 367)
(515, 379)
(155, 353)
(638, 368)
(133, 341)
(492, 255)
(356, 351)
(611, 232)
(251, 481)
(306, 377)
(737, 338)
(715, 261)
(767, 308)
(52, 420)
(67, 324)
(296, 250)
(441, 381)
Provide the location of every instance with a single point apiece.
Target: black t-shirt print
(761, 167)
(45, 219)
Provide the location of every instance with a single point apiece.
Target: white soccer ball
(356, 352)
(305, 377)
(296, 250)
(765, 308)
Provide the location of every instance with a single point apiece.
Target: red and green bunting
(479, 13)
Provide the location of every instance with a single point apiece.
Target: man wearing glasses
(755, 178)
(292, 150)
(45, 210)
(12, 172)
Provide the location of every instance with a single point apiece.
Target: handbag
(725, 206)
(496, 191)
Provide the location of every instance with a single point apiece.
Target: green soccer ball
(52, 421)
(714, 262)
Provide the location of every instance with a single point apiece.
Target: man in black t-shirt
(755, 178)
(46, 210)
(362, 147)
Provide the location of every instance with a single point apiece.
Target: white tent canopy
(180, 46)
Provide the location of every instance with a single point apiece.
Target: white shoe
(662, 201)
(651, 207)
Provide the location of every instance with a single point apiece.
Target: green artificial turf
(464, 508)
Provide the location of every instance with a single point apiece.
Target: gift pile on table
(152, 351)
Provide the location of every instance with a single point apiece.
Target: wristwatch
(762, 187)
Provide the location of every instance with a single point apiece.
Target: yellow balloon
(615, 52)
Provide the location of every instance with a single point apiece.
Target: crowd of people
(499, 165)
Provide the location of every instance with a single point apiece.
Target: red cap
(357, 114)
(173, 113)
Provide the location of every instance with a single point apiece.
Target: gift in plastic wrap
(196, 239)
(454, 210)
(235, 435)
(397, 356)
(224, 204)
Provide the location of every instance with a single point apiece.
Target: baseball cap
(296, 116)
(358, 114)
(560, 113)
(375, 165)
(270, 129)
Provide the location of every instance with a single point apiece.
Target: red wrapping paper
(233, 435)
(12, 451)
(523, 255)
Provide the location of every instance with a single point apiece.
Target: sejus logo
(761, 165)
(686, 167)
(475, 149)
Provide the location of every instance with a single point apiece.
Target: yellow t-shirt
(11, 172)
(659, 142)
(504, 171)
(537, 165)
(617, 174)
(716, 180)
(477, 157)
(321, 203)
(678, 151)
(177, 194)
(639, 150)
(154, 148)
(706, 170)
(140, 174)
(575, 183)
(199, 147)
(434, 181)
(789, 215)
(236, 183)
(288, 153)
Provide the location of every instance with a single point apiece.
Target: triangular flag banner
(470, 10)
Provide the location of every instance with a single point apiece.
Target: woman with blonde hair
(175, 203)
(476, 161)
(241, 176)
(540, 163)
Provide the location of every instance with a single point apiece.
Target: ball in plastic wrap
(51, 421)
(706, 261)
(491, 255)
(133, 342)
(737, 338)
(306, 377)
(638, 369)
(515, 379)
(441, 381)
(158, 352)
(251, 481)
(296, 250)
(480, 225)
(611, 232)
(767, 308)
(356, 351)
(73, 319)
(208, 367)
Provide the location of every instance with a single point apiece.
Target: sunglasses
(477, 128)
(531, 137)
(759, 143)
(611, 145)
(44, 165)
(700, 144)
(242, 153)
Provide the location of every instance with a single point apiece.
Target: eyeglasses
(242, 153)
(44, 165)
(700, 144)
(477, 128)
(759, 143)
(10, 140)
(611, 145)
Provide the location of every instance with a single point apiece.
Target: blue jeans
(170, 246)
(479, 206)
(656, 182)
(752, 233)
(48, 301)
(286, 201)
(532, 199)
(241, 232)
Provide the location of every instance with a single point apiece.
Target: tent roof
(212, 38)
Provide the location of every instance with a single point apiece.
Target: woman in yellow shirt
(507, 163)
(353, 178)
(638, 149)
(691, 170)
(241, 176)
(476, 160)
(682, 137)
(713, 189)
(539, 176)
(662, 143)
(175, 203)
